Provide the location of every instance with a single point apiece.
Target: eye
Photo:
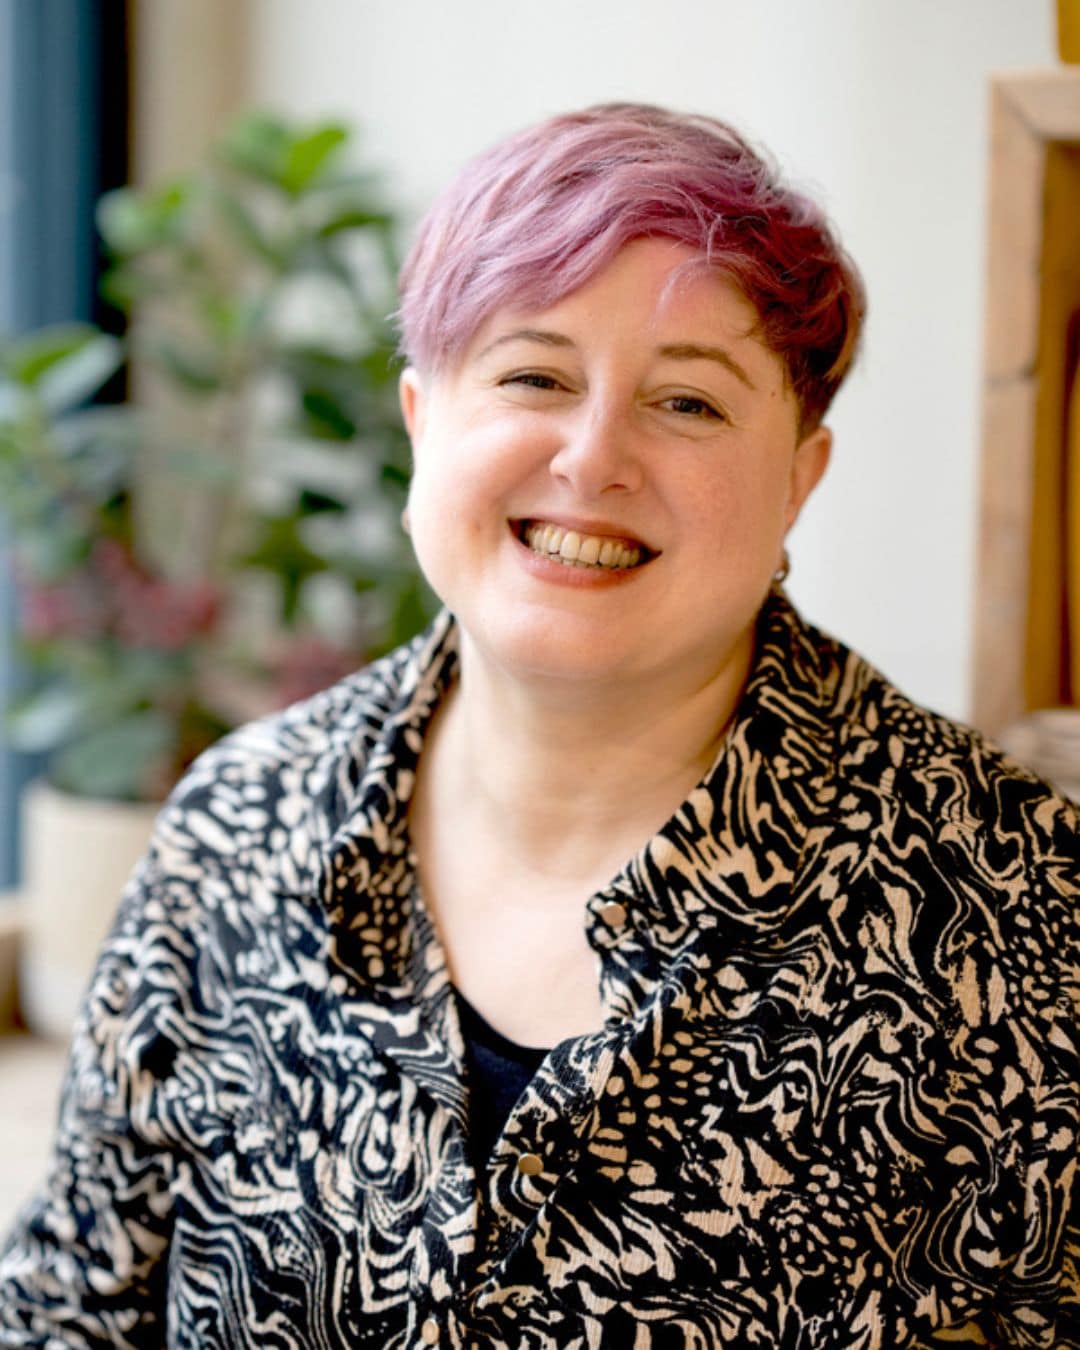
(531, 379)
(689, 405)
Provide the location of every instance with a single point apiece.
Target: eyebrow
(675, 351)
(541, 335)
(691, 351)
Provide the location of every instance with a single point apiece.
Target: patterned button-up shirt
(834, 1102)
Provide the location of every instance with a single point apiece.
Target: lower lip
(559, 574)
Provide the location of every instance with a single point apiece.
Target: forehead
(653, 292)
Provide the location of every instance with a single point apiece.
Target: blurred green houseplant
(230, 540)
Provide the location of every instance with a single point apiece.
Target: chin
(550, 646)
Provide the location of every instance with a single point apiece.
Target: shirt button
(530, 1165)
(613, 914)
(429, 1332)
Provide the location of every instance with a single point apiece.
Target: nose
(597, 452)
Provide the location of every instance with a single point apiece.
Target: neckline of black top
(476, 1029)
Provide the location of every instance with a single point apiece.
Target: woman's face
(638, 424)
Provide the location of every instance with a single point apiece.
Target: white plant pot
(77, 855)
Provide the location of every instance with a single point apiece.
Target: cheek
(457, 502)
(738, 507)
(478, 471)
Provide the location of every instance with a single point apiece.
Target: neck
(564, 777)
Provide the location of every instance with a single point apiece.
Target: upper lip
(606, 529)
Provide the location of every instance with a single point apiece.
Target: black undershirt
(499, 1070)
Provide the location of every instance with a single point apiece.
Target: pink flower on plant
(71, 609)
(151, 611)
(165, 615)
(114, 597)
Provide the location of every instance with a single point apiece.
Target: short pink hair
(542, 212)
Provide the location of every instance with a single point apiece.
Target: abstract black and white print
(834, 1103)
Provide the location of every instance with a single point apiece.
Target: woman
(623, 963)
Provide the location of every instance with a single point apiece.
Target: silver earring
(782, 572)
(405, 522)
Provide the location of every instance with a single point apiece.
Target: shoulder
(231, 886)
(948, 866)
(341, 722)
(928, 804)
(937, 809)
(907, 755)
(928, 767)
(250, 821)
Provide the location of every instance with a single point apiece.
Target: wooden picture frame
(1033, 293)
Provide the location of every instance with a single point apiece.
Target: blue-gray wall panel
(63, 112)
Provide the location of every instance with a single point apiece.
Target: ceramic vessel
(77, 854)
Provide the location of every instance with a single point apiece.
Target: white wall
(880, 106)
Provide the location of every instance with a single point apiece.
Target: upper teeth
(584, 549)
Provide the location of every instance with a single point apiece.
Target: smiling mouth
(572, 548)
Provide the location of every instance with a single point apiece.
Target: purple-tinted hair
(541, 213)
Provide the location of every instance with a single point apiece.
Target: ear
(810, 461)
(413, 399)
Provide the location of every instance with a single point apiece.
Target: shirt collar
(728, 856)
(368, 873)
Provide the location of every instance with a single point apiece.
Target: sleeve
(1038, 1301)
(84, 1263)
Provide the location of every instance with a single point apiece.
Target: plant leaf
(256, 145)
(71, 381)
(133, 221)
(351, 218)
(28, 359)
(308, 156)
(51, 554)
(414, 606)
(246, 228)
(47, 718)
(195, 373)
(394, 475)
(326, 418)
(281, 549)
(116, 761)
